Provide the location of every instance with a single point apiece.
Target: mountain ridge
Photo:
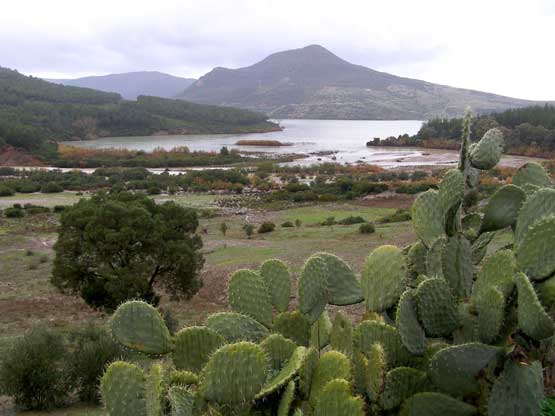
(312, 82)
(130, 85)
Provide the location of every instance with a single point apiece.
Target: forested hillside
(528, 131)
(34, 114)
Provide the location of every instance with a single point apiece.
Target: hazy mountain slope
(312, 82)
(132, 84)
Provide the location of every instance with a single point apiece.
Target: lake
(309, 137)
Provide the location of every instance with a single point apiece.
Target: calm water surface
(347, 137)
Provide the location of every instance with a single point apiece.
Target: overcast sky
(501, 46)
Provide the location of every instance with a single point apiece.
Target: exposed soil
(13, 157)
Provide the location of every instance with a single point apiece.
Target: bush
(287, 224)
(266, 227)
(14, 212)
(418, 175)
(329, 222)
(298, 223)
(248, 229)
(35, 209)
(92, 350)
(399, 215)
(32, 370)
(351, 220)
(51, 188)
(154, 190)
(366, 228)
(58, 209)
(414, 188)
(6, 190)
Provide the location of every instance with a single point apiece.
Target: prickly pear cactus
(123, 389)
(248, 295)
(219, 379)
(278, 281)
(193, 346)
(451, 325)
(139, 326)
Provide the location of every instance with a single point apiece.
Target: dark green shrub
(366, 228)
(266, 227)
(351, 220)
(35, 209)
(92, 350)
(328, 222)
(399, 215)
(154, 190)
(58, 209)
(414, 188)
(32, 370)
(287, 224)
(328, 198)
(14, 212)
(51, 188)
(248, 229)
(418, 175)
(6, 190)
(298, 223)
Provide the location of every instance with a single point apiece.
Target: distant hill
(314, 83)
(35, 113)
(132, 84)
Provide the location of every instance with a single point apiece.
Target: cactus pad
(384, 278)
(436, 307)
(375, 372)
(331, 365)
(342, 283)
(312, 288)
(249, 295)
(434, 266)
(491, 313)
(235, 327)
(532, 318)
(416, 259)
(487, 152)
(307, 371)
(139, 326)
(436, 404)
(181, 400)
(371, 332)
(454, 370)
(286, 399)
(532, 173)
(320, 331)
(400, 384)
(294, 326)
(242, 361)
(518, 391)
(480, 246)
(427, 217)
(182, 378)
(539, 205)
(287, 373)
(336, 399)
(451, 190)
(456, 260)
(154, 391)
(278, 281)
(546, 293)
(410, 330)
(193, 346)
(498, 270)
(278, 349)
(534, 254)
(123, 389)
(341, 337)
(502, 208)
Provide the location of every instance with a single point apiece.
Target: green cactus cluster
(452, 324)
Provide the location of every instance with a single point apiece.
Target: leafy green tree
(115, 247)
(248, 229)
